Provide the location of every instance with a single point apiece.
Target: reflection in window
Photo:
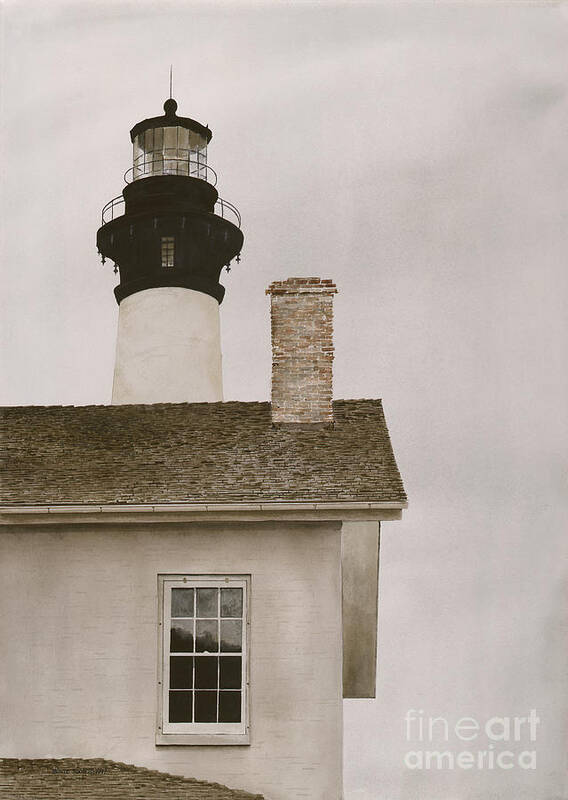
(182, 602)
(207, 637)
(181, 636)
(207, 602)
(231, 635)
(231, 602)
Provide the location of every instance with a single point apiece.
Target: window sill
(202, 739)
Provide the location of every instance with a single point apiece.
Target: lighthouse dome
(170, 145)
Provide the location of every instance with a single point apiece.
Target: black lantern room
(169, 227)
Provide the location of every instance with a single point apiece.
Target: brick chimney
(302, 350)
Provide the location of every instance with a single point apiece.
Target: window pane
(183, 138)
(181, 636)
(231, 602)
(155, 164)
(181, 672)
(196, 140)
(206, 706)
(158, 138)
(207, 602)
(207, 639)
(206, 672)
(138, 152)
(170, 138)
(229, 707)
(231, 635)
(182, 599)
(180, 707)
(230, 672)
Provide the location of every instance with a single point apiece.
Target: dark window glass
(231, 635)
(230, 672)
(182, 602)
(206, 706)
(181, 672)
(206, 672)
(180, 707)
(229, 706)
(231, 602)
(207, 640)
(181, 636)
(207, 602)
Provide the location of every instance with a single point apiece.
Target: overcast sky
(416, 154)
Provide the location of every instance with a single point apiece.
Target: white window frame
(199, 733)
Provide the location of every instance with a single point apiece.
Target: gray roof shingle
(197, 452)
(99, 779)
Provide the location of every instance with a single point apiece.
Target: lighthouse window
(170, 150)
(203, 659)
(168, 251)
(158, 139)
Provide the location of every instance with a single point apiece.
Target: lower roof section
(201, 454)
(98, 779)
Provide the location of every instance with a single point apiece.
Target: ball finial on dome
(170, 107)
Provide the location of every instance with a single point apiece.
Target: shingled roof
(99, 779)
(197, 452)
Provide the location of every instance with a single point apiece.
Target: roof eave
(199, 512)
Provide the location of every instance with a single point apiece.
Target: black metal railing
(115, 208)
(110, 212)
(160, 165)
(227, 210)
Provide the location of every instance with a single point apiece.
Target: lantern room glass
(169, 150)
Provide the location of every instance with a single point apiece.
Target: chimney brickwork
(302, 350)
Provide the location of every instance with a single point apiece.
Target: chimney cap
(302, 286)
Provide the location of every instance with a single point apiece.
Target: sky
(416, 154)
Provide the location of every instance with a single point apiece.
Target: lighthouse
(169, 235)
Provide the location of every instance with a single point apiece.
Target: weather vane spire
(171, 73)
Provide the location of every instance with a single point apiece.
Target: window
(203, 659)
(168, 248)
(169, 150)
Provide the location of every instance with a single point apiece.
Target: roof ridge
(218, 404)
